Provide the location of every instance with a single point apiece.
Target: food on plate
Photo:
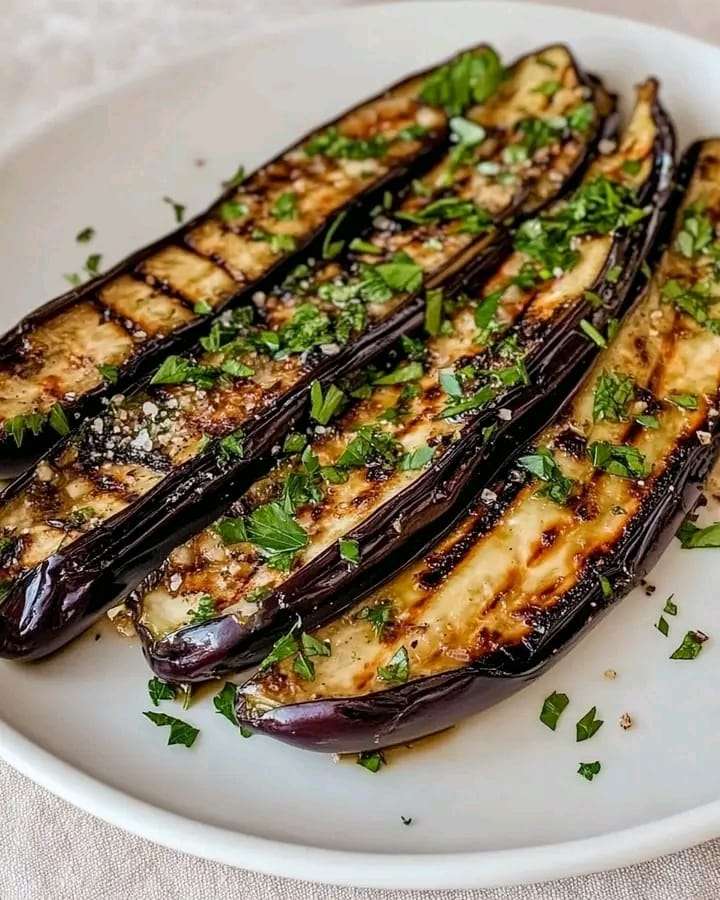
(574, 521)
(334, 516)
(93, 341)
(103, 507)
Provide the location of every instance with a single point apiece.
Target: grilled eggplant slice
(105, 507)
(405, 453)
(61, 359)
(572, 525)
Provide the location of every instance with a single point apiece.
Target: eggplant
(399, 459)
(574, 521)
(105, 506)
(60, 360)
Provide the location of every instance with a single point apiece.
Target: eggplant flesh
(105, 506)
(93, 340)
(517, 580)
(400, 487)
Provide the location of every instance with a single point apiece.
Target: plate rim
(466, 869)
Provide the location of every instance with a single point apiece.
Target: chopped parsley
(695, 300)
(417, 458)
(285, 207)
(358, 245)
(433, 312)
(204, 611)
(692, 538)
(237, 179)
(648, 421)
(17, 426)
(230, 210)
(178, 208)
(324, 405)
(543, 465)
(224, 702)
(300, 648)
(589, 770)
(397, 670)
(381, 616)
(632, 167)
(586, 727)
(613, 393)
(592, 332)
(276, 534)
(662, 626)
(370, 444)
(553, 707)
(349, 551)
(618, 459)
(684, 401)
(696, 233)
(335, 145)
(180, 732)
(691, 645)
(87, 234)
(405, 372)
(331, 247)
(231, 446)
(160, 690)
(547, 88)
(92, 264)
(181, 370)
(58, 420)
(372, 760)
(471, 78)
(470, 218)
(108, 372)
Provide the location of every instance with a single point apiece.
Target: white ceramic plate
(497, 800)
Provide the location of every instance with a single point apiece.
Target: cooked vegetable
(157, 299)
(403, 455)
(516, 581)
(105, 506)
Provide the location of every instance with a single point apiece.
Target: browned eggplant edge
(405, 713)
(326, 586)
(425, 705)
(13, 459)
(60, 597)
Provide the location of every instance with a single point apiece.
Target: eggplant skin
(136, 350)
(326, 586)
(427, 705)
(564, 592)
(62, 594)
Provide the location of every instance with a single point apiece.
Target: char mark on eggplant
(509, 602)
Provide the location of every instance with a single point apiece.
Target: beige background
(51, 53)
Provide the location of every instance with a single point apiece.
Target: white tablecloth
(51, 52)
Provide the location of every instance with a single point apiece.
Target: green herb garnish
(553, 707)
(586, 727)
(180, 732)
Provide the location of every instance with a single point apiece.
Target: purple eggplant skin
(14, 460)
(412, 710)
(326, 586)
(62, 596)
(430, 704)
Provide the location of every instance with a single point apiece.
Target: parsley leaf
(380, 616)
(276, 534)
(323, 406)
(589, 770)
(349, 551)
(160, 690)
(285, 207)
(618, 459)
(470, 78)
(397, 669)
(543, 465)
(178, 208)
(372, 760)
(613, 393)
(691, 645)
(224, 702)
(87, 234)
(417, 458)
(692, 538)
(553, 707)
(180, 732)
(696, 233)
(203, 612)
(586, 727)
